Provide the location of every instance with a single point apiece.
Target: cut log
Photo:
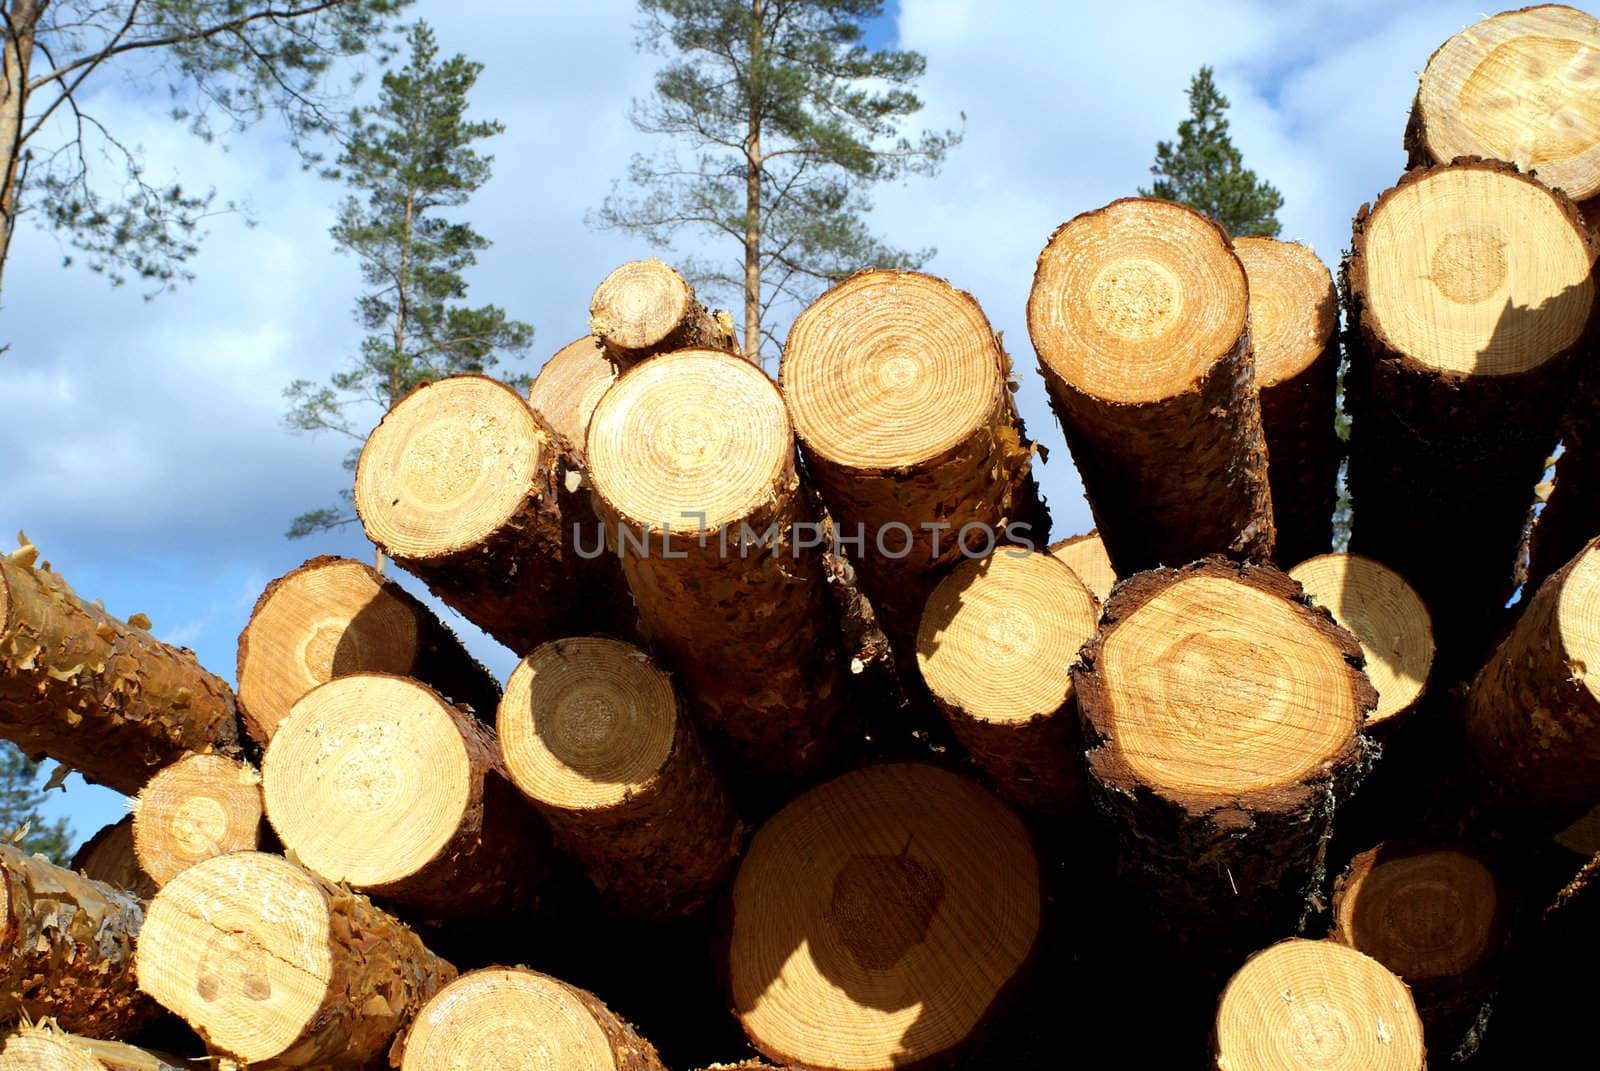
(66, 949)
(200, 806)
(900, 394)
(1140, 316)
(1533, 712)
(377, 782)
(645, 307)
(998, 639)
(465, 487)
(1468, 294)
(1294, 326)
(1520, 87)
(108, 856)
(1086, 556)
(517, 1018)
(332, 617)
(692, 460)
(1387, 618)
(879, 918)
(1222, 716)
(1436, 918)
(569, 386)
(104, 697)
(47, 1048)
(279, 969)
(1303, 1004)
(597, 737)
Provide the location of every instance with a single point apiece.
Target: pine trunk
(645, 308)
(200, 806)
(1086, 556)
(108, 856)
(567, 389)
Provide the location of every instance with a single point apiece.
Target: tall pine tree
(780, 122)
(1203, 170)
(22, 820)
(412, 156)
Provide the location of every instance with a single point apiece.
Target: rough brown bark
(66, 949)
(108, 856)
(94, 693)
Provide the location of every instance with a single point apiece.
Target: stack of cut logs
(818, 739)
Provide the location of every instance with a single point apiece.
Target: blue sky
(145, 452)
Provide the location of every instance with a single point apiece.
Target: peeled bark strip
(1294, 326)
(692, 461)
(645, 307)
(465, 487)
(378, 783)
(877, 919)
(1533, 713)
(1468, 295)
(66, 949)
(1520, 87)
(51, 1049)
(1387, 618)
(200, 806)
(108, 856)
(1222, 715)
(997, 642)
(1140, 316)
(1086, 556)
(900, 393)
(279, 969)
(483, 1018)
(332, 617)
(569, 386)
(1436, 918)
(104, 697)
(596, 736)
(1302, 1004)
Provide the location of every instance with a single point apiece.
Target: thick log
(332, 617)
(108, 856)
(692, 461)
(1533, 713)
(645, 307)
(1222, 716)
(1302, 1004)
(569, 386)
(465, 487)
(200, 806)
(1294, 326)
(1086, 556)
(597, 737)
(1140, 316)
(427, 817)
(878, 920)
(279, 969)
(66, 949)
(996, 646)
(485, 1018)
(1468, 294)
(47, 1048)
(97, 694)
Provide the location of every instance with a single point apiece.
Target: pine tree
(1204, 171)
(411, 155)
(781, 122)
(22, 820)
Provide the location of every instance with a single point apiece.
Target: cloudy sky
(143, 442)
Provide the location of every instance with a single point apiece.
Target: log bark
(108, 856)
(569, 386)
(332, 617)
(1294, 326)
(998, 638)
(1086, 556)
(97, 694)
(428, 818)
(200, 806)
(66, 949)
(880, 919)
(466, 488)
(1302, 1004)
(1222, 716)
(479, 1018)
(1532, 715)
(279, 969)
(692, 461)
(1468, 294)
(1140, 316)
(597, 737)
(644, 308)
